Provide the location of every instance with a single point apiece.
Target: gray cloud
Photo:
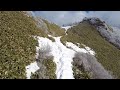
(65, 17)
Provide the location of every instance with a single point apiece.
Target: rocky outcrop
(90, 64)
(111, 34)
(39, 22)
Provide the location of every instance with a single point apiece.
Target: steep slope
(107, 54)
(63, 55)
(17, 46)
(17, 42)
(31, 47)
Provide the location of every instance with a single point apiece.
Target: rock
(91, 65)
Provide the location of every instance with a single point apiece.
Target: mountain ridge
(32, 47)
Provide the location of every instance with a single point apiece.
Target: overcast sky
(65, 17)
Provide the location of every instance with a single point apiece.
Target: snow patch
(32, 68)
(67, 27)
(63, 56)
(77, 49)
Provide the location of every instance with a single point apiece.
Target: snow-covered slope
(67, 27)
(32, 68)
(63, 56)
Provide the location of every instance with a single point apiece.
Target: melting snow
(67, 27)
(77, 49)
(63, 56)
(32, 68)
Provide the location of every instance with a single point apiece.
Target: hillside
(106, 53)
(34, 48)
(111, 34)
(17, 44)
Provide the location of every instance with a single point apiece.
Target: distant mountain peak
(108, 32)
(95, 21)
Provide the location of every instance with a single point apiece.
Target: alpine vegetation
(34, 48)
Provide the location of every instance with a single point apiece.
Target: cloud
(65, 17)
(62, 17)
(111, 17)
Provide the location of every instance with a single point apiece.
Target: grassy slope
(54, 29)
(107, 54)
(17, 46)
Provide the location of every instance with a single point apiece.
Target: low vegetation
(47, 71)
(54, 29)
(79, 72)
(17, 46)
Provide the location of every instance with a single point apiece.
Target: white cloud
(64, 17)
(111, 17)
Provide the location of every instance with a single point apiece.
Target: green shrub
(79, 72)
(51, 68)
